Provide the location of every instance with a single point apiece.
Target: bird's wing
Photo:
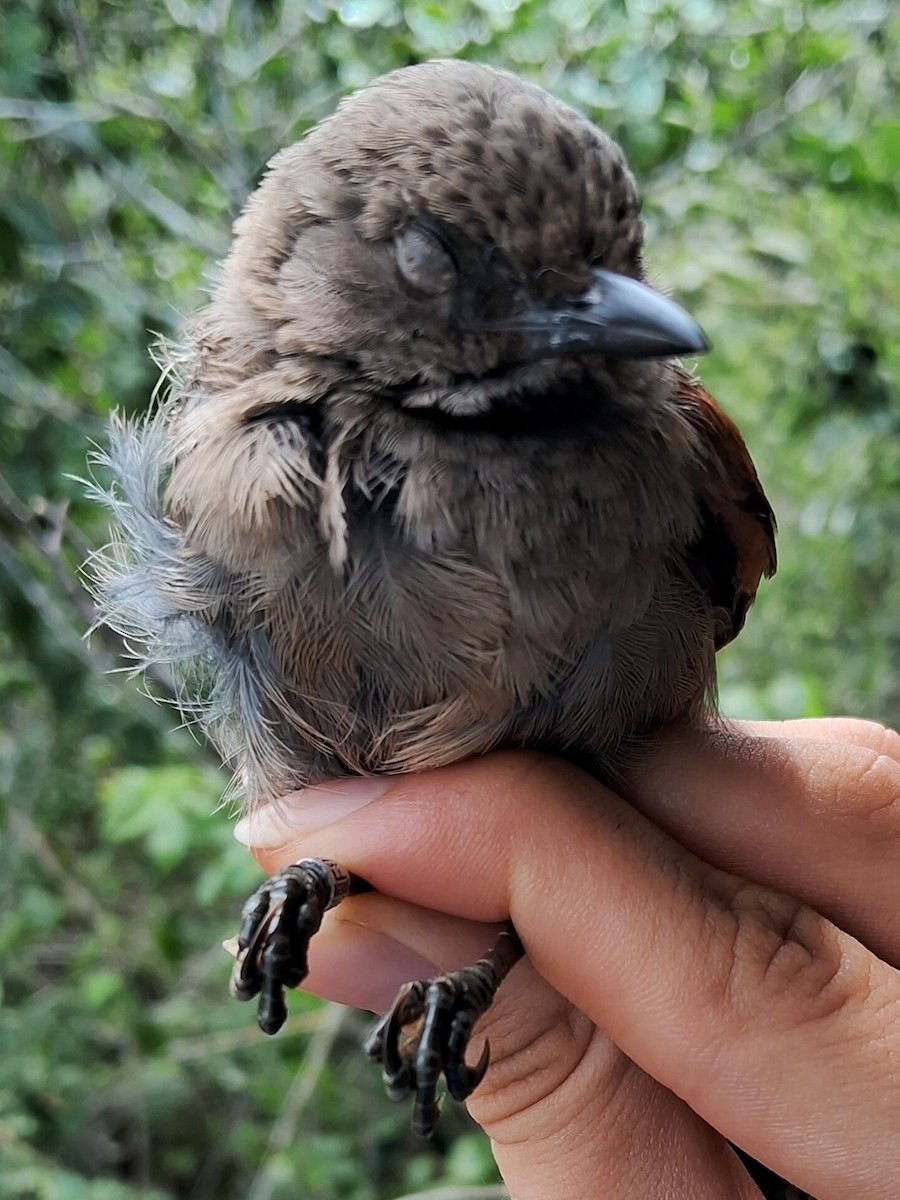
(736, 544)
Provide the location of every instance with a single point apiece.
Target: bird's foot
(426, 1032)
(278, 922)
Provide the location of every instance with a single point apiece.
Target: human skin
(716, 959)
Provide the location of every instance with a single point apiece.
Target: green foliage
(766, 134)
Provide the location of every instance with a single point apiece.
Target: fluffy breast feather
(466, 608)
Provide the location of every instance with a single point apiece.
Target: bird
(430, 479)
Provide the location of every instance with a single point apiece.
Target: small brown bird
(430, 482)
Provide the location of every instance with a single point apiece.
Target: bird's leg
(278, 922)
(427, 1030)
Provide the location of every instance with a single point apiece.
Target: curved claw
(245, 982)
(462, 1080)
(373, 1046)
(246, 975)
(397, 1074)
(384, 1044)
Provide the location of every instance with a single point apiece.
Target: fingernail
(304, 812)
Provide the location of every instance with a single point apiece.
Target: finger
(778, 1028)
(811, 808)
(370, 946)
(859, 732)
(559, 1097)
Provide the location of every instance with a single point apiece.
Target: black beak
(617, 316)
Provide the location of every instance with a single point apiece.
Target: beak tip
(633, 320)
(618, 316)
(700, 344)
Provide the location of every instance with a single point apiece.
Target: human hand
(722, 963)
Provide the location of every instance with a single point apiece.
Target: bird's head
(452, 238)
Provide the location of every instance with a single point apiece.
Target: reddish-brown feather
(737, 504)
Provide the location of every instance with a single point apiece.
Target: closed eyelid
(433, 229)
(425, 260)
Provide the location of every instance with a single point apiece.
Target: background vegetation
(766, 134)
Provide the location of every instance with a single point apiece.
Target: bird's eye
(425, 262)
